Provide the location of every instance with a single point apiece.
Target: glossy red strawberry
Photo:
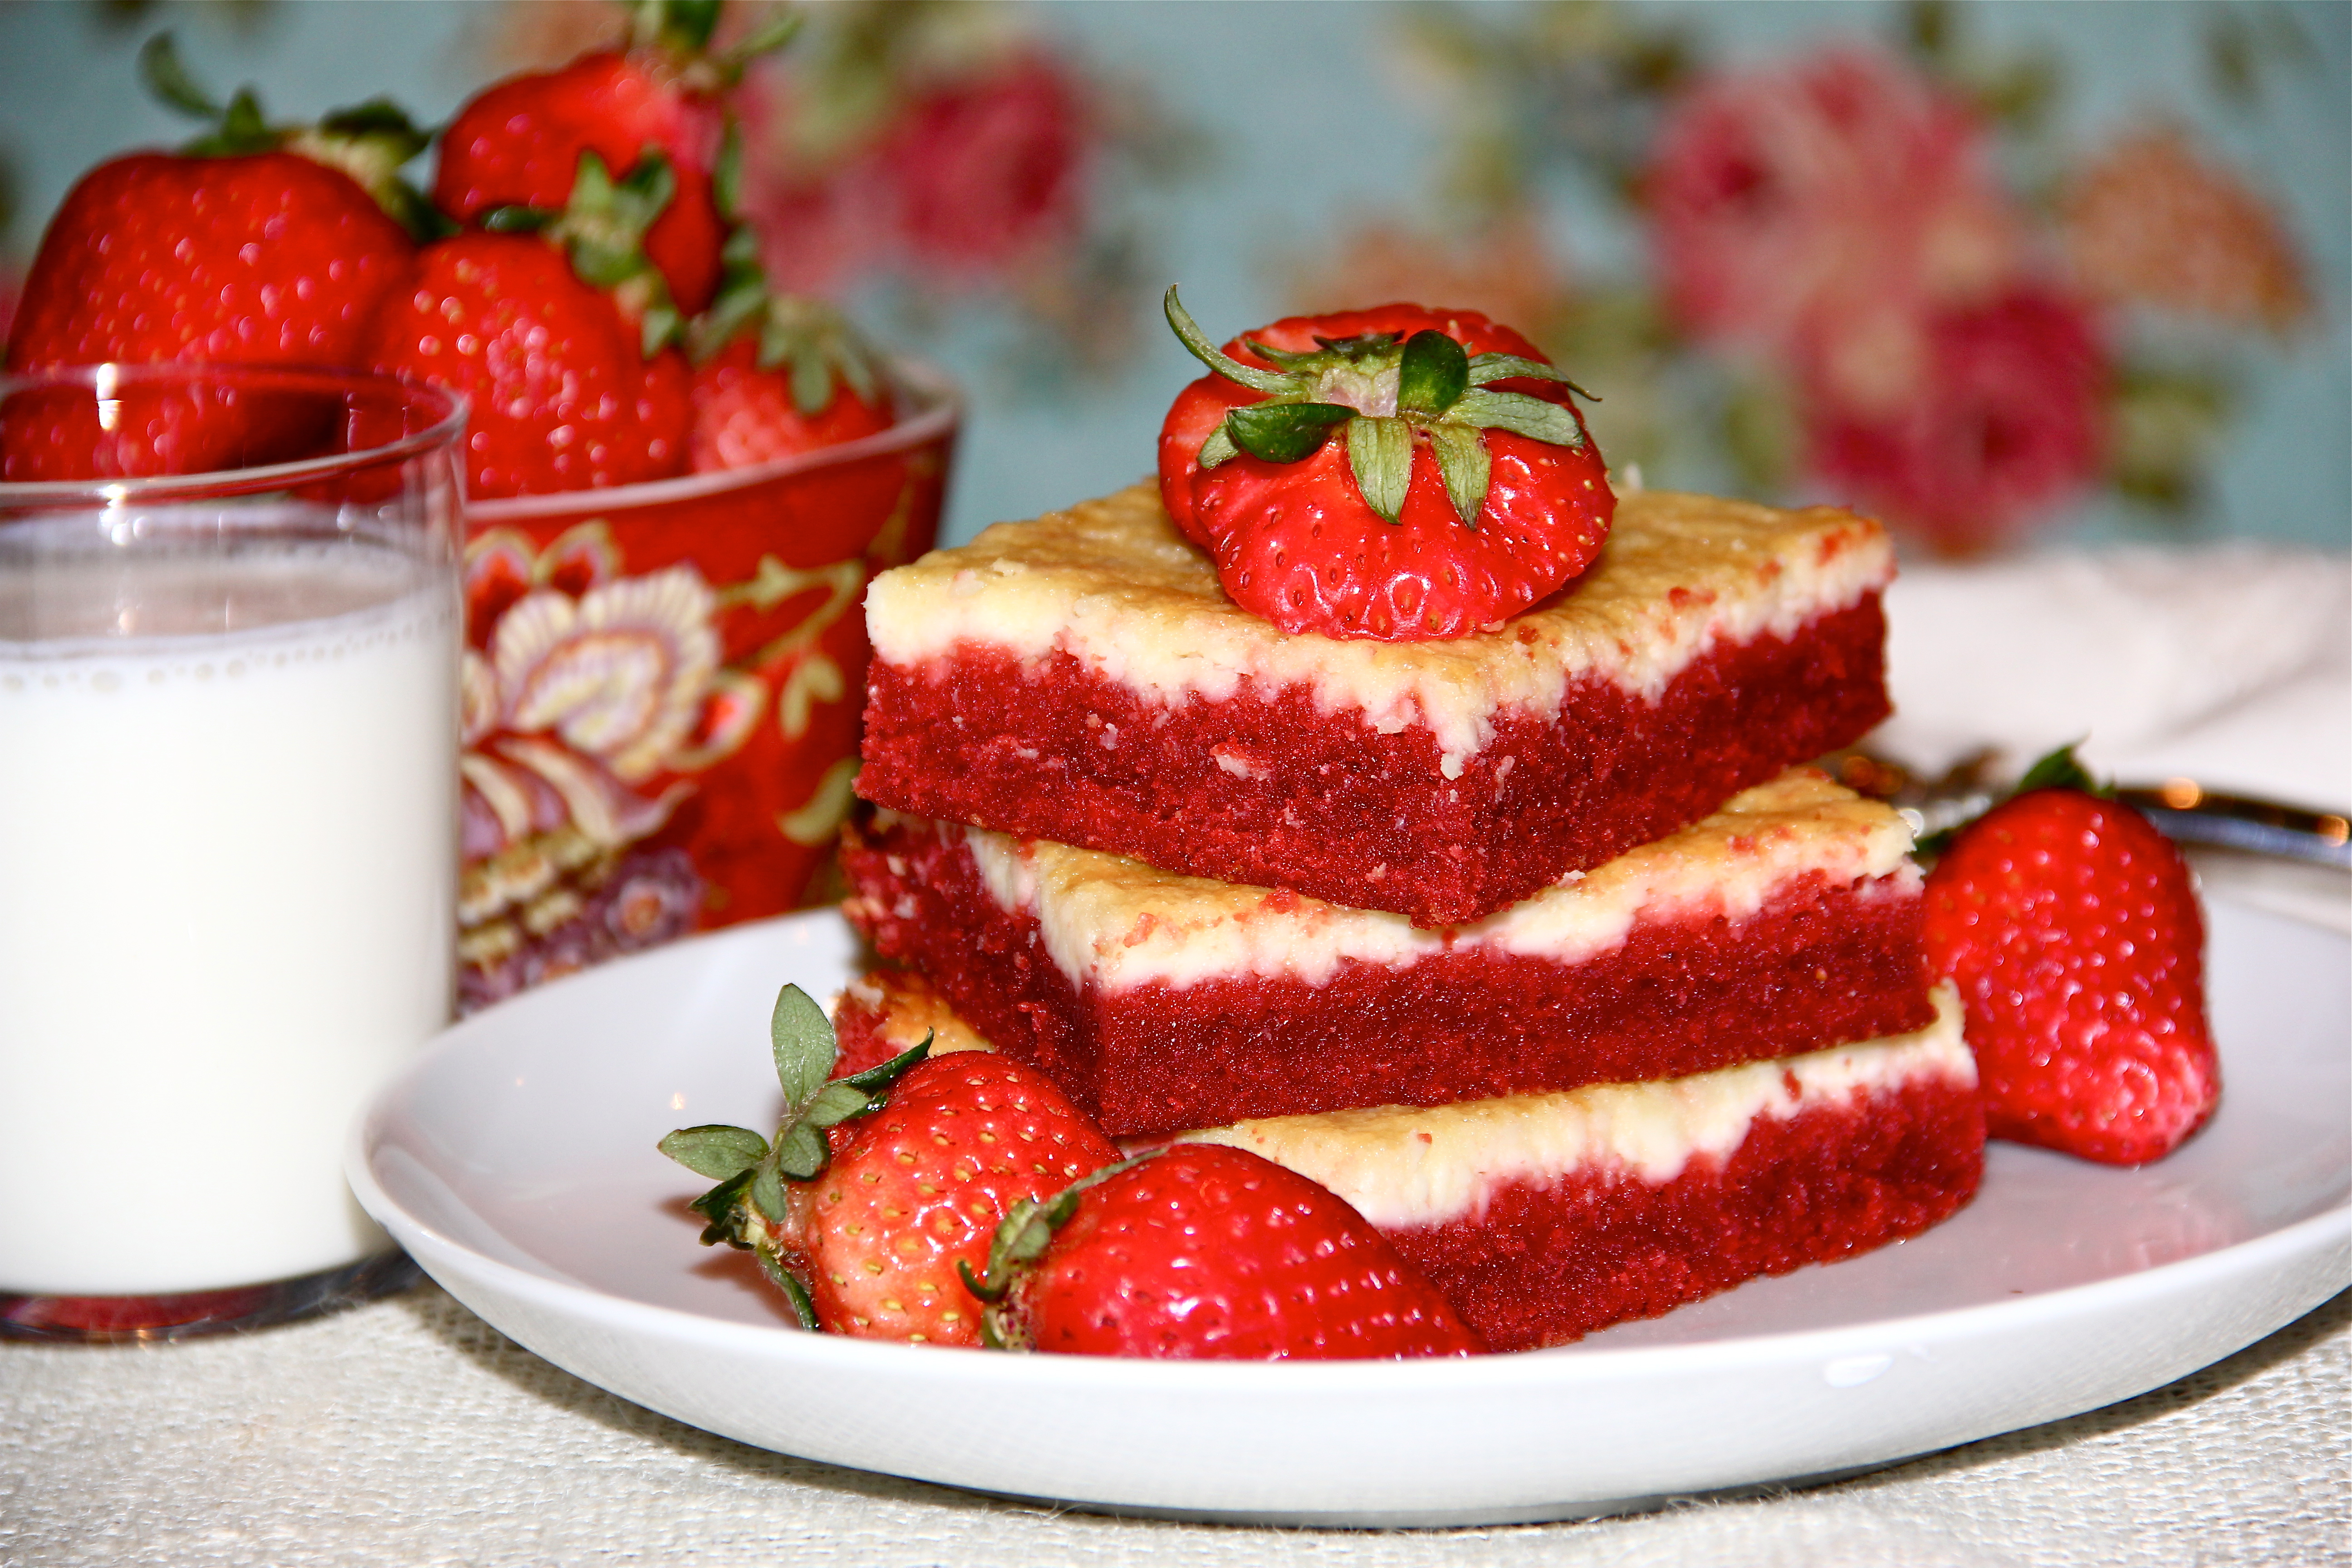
(876, 1186)
(269, 257)
(256, 244)
(2072, 929)
(1212, 1253)
(1393, 473)
(745, 413)
(518, 144)
(562, 394)
(921, 1185)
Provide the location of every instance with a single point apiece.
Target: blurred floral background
(1997, 272)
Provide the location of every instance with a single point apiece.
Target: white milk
(227, 875)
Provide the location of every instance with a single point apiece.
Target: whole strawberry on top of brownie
(1092, 678)
(1396, 473)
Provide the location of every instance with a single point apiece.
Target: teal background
(1308, 118)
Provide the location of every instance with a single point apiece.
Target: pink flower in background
(2151, 220)
(1781, 199)
(988, 167)
(820, 218)
(963, 175)
(2004, 419)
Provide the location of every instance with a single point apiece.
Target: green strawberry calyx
(601, 229)
(747, 1209)
(2059, 769)
(369, 142)
(1388, 395)
(680, 33)
(1021, 1239)
(816, 346)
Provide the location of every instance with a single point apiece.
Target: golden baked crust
(1113, 922)
(1111, 583)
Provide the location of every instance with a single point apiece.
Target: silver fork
(2181, 809)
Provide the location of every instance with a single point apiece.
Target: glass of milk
(228, 722)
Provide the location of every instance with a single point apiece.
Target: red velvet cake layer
(1082, 677)
(1818, 963)
(1543, 1263)
(1321, 803)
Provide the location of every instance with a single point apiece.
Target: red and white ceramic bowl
(662, 691)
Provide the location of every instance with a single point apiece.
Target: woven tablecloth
(409, 1432)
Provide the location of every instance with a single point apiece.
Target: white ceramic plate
(516, 1161)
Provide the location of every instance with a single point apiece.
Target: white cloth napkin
(2230, 665)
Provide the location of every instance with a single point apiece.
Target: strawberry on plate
(2072, 928)
(562, 395)
(919, 1188)
(1393, 473)
(880, 1187)
(1207, 1252)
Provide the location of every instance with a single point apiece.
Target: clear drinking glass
(228, 726)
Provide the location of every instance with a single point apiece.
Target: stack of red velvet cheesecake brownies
(1541, 947)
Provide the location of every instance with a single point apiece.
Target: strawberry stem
(1433, 373)
(167, 77)
(1188, 333)
(1020, 1241)
(748, 1204)
(1284, 432)
(2059, 769)
(368, 142)
(784, 1280)
(1389, 396)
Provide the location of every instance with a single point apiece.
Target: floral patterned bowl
(663, 684)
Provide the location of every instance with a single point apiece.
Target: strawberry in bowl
(681, 483)
(256, 243)
(1393, 473)
(520, 142)
(678, 482)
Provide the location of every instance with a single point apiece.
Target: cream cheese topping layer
(1403, 1167)
(1111, 583)
(1116, 923)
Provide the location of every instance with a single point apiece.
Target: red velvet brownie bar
(1082, 679)
(1546, 1217)
(1786, 921)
